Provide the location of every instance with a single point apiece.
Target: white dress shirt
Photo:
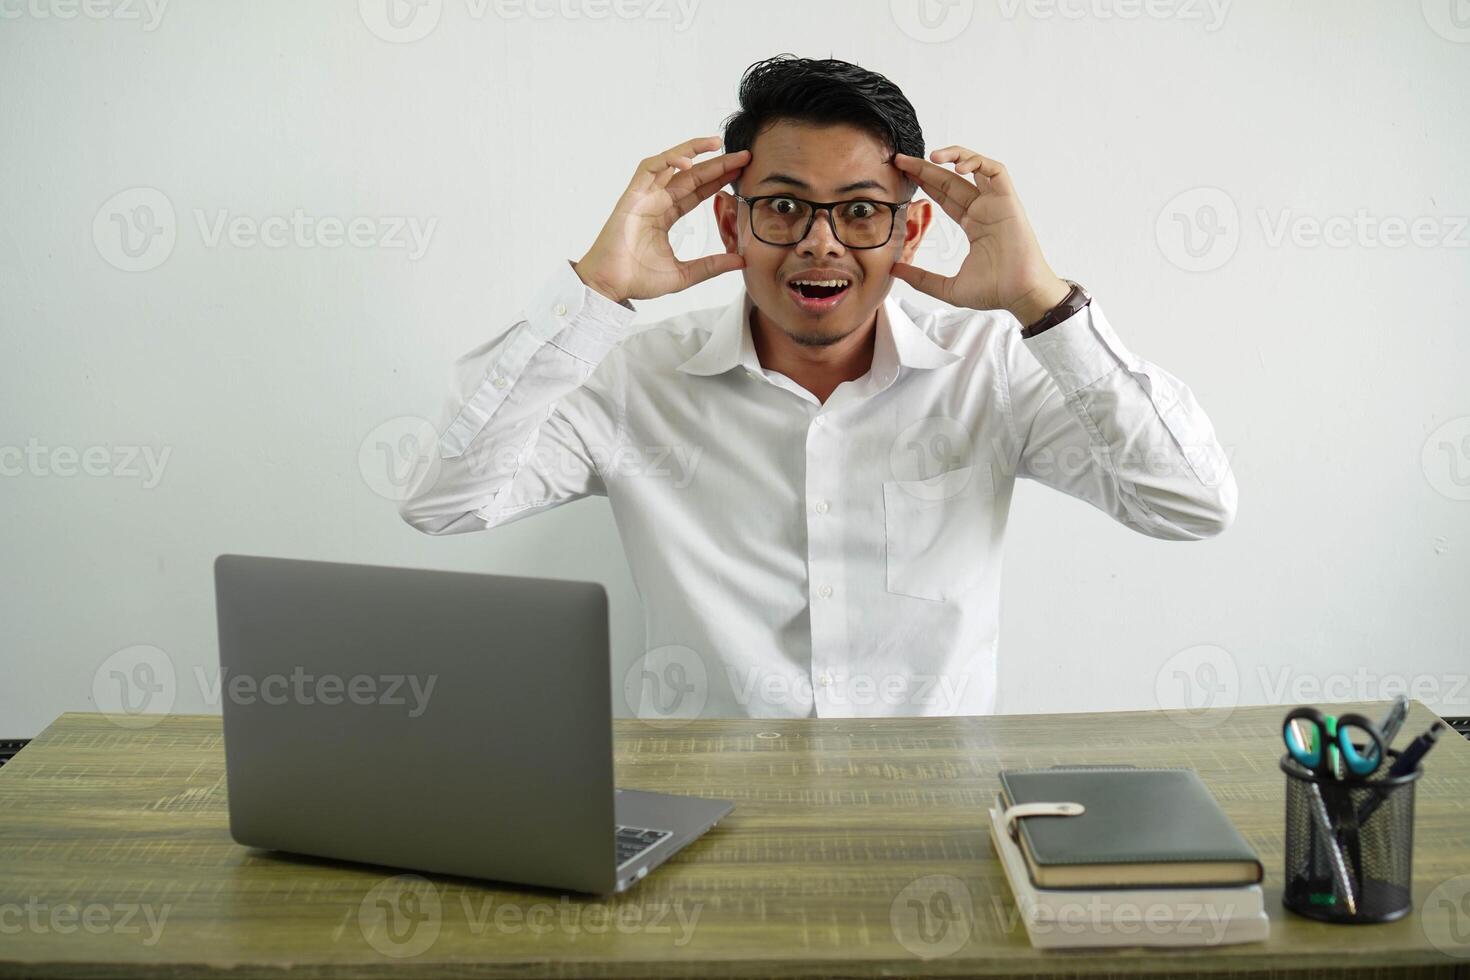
(800, 558)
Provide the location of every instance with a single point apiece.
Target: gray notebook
(1140, 828)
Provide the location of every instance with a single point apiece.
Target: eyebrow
(860, 185)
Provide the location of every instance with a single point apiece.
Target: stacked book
(1125, 857)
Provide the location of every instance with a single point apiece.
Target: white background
(1335, 374)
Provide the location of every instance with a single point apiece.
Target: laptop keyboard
(633, 841)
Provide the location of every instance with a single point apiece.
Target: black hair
(824, 92)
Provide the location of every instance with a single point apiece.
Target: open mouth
(818, 294)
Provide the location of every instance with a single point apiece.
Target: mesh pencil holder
(1367, 876)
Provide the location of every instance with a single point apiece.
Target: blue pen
(1408, 759)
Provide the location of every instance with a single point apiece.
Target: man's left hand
(1004, 268)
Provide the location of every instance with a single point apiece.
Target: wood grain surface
(858, 848)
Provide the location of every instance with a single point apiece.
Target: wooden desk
(807, 878)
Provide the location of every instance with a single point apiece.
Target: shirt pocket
(936, 532)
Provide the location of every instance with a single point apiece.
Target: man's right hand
(632, 257)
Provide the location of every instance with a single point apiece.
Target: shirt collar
(899, 341)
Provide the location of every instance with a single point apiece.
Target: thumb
(698, 270)
(923, 280)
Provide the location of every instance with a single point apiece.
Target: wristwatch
(1070, 304)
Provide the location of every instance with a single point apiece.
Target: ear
(727, 219)
(917, 217)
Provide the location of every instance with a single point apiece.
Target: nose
(820, 239)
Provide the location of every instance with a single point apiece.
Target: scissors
(1327, 744)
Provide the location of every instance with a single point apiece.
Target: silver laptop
(434, 721)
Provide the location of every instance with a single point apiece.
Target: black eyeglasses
(780, 219)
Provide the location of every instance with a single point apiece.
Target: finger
(691, 199)
(651, 167)
(940, 287)
(698, 270)
(949, 190)
(968, 161)
(712, 169)
(676, 164)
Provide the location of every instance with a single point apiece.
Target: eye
(785, 205)
(861, 209)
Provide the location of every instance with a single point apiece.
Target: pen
(1394, 720)
(1318, 806)
(1408, 759)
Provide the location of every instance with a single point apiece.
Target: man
(812, 482)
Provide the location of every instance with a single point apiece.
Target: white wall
(1329, 371)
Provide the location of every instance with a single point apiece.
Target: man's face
(819, 163)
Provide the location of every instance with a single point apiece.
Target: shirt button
(825, 680)
(500, 382)
(823, 506)
(819, 420)
(825, 592)
(560, 309)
